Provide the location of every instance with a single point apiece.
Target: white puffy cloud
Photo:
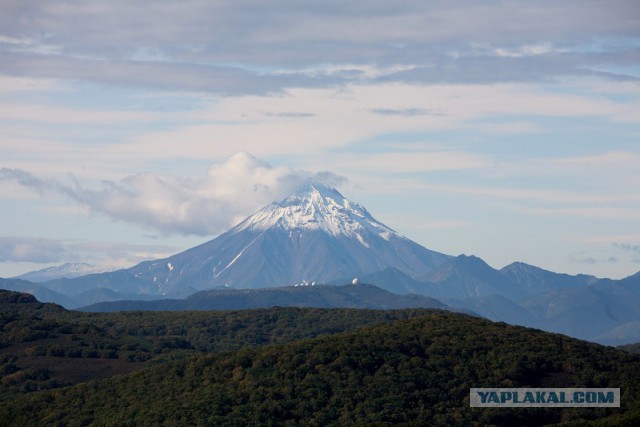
(198, 205)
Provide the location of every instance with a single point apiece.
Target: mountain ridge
(67, 270)
(314, 235)
(307, 295)
(317, 235)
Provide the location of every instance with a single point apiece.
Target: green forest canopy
(412, 366)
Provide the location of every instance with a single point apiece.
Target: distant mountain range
(317, 235)
(601, 310)
(320, 296)
(314, 235)
(68, 271)
(42, 293)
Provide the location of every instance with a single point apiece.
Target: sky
(509, 130)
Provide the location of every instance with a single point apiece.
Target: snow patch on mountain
(317, 207)
(314, 235)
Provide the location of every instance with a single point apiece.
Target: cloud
(416, 161)
(405, 112)
(254, 47)
(290, 115)
(549, 195)
(520, 51)
(587, 260)
(107, 254)
(425, 224)
(611, 213)
(113, 254)
(583, 258)
(331, 179)
(343, 118)
(58, 114)
(221, 80)
(198, 205)
(617, 159)
(40, 186)
(28, 249)
(628, 247)
(334, 120)
(19, 84)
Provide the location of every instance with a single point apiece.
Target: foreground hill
(631, 348)
(44, 346)
(42, 293)
(415, 371)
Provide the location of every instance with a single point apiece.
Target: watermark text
(544, 397)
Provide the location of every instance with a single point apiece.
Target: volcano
(315, 235)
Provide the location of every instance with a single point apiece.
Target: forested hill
(631, 348)
(417, 371)
(44, 346)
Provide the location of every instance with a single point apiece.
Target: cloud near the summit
(194, 205)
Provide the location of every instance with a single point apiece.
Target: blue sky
(509, 130)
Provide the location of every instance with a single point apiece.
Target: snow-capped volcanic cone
(314, 235)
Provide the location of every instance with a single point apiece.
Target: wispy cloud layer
(199, 205)
(633, 250)
(23, 249)
(31, 250)
(244, 46)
